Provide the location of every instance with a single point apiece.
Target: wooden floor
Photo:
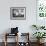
(13, 44)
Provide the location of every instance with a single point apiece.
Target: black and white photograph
(17, 13)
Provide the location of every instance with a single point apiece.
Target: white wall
(24, 25)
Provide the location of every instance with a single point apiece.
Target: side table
(8, 34)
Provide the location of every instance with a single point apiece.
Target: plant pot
(40, 41)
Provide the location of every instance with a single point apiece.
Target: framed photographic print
(17, 13)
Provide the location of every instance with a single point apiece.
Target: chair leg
(5, 39)
(5, 43)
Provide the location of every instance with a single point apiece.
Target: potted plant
(39, 35)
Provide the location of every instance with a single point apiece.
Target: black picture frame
(18, 13)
